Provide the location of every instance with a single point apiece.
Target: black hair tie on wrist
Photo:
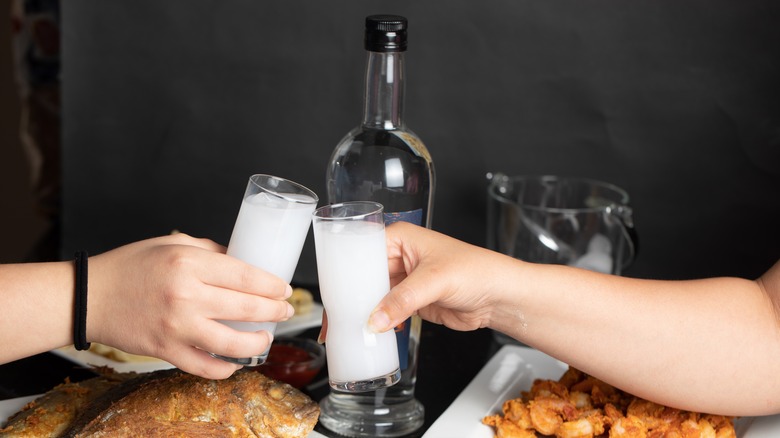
(80, 303)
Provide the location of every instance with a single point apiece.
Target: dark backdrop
(170, 106)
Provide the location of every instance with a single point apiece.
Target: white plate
(291, 327)
(512, 370)
(11, 406)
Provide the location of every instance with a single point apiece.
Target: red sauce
(288, 364)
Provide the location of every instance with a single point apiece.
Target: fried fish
(50, 414)
(171, 403)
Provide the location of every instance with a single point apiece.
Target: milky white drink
(271, 227)
(353, 276)
(269, 233)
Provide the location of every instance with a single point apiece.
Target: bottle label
(403, 330)
(414, 217)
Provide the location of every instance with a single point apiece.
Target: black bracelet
(80, 303)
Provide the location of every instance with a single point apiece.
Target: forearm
(693, 344)
(37, 303)
(709, 345)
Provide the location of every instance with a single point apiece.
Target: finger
(401, 251)
(398, 305)
(227, 304)
(200, 363)
(222, 340)
(185, 239)
(395, 250)
(231, 273)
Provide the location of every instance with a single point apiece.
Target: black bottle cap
(385, 33)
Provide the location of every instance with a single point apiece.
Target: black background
(170, 106)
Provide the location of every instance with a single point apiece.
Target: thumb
(399, 304)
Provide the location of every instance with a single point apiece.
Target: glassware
(382, 160)
(269, 233)
(351, 250)
(560, 220)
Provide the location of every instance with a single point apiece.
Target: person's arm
(37, 302)
(159, 297)
(710, 345)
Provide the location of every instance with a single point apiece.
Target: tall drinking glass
(269, 233)
(349, 239)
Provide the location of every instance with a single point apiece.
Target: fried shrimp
(581, 406)
(581, 400)
(550, 412)
(515, 422)
(628, 427)
(590, 424)
(507, 429)
(517, 412)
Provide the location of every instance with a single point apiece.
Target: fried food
(52, 413)
(171, 403)
(174, 403)
(302, 301)
(581, 406)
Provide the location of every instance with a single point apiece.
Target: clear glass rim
(298, 189)
(362, 209)
(541, 179)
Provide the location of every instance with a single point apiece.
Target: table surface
(448, 361)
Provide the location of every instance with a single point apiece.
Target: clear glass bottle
(382, 160)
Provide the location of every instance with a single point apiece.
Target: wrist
(80, 294)
(507, 285)
(96, 280)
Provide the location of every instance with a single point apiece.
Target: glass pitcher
(561, 220)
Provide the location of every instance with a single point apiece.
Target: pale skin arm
(158, 297)
(710, 345)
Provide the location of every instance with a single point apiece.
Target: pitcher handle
(495, 178)
(624, 215)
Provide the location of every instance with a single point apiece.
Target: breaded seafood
(51, 413)
(170, 403)
(579, 405)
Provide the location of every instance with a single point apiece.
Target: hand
(163, 297)
(433, 275)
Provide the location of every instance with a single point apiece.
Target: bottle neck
(383, 99)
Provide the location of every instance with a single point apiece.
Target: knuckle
(259, 309)
(402, 298)
(246, 277)
(232, 347)
(179, 237)
(244, 345)
(172, 297)
(177, 259)
(251, 308)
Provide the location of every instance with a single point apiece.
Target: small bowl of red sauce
(294, 360)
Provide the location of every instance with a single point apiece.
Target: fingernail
(320, 338)
(290, 310)
(288, 292)
(379, 321)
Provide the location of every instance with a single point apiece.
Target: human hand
(163, 297)
(440, 278)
